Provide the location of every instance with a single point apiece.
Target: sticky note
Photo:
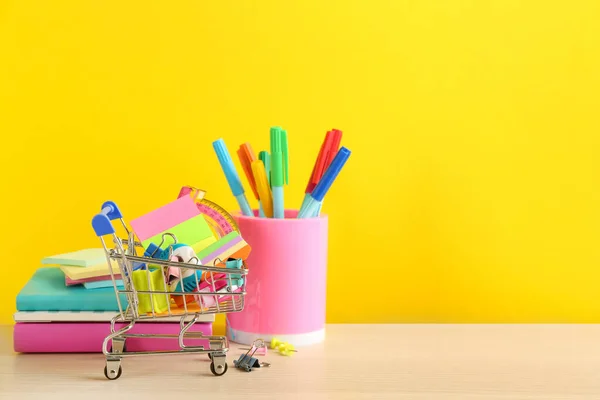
(189, 232)
(72, 282)
(230, 245)
(180, 218)
(103, 284)
(203, 244)
(76, 273)
(79, 258)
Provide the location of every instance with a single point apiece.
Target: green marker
(279, 169)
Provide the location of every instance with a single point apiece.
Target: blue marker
(316, 197)
(232, 176)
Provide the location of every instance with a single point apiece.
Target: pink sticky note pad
(164, 218)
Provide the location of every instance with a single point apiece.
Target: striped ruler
(220, 220)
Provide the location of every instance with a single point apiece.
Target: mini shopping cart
(223, 291)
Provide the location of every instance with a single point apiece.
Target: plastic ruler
(220, 220)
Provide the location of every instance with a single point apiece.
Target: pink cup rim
(290, 218)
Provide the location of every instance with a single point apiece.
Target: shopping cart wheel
(118, 346)
(220, 369)
(112, 374)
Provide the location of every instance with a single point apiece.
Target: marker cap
(228, 168)
(331, 173)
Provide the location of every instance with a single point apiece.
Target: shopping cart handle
(101, 222)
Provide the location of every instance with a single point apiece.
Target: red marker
(329, 149)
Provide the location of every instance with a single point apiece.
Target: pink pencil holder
(286, 281)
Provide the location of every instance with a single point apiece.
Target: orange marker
(246, 156)
(263, 187)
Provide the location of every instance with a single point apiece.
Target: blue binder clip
(189, 281)
(236, 263)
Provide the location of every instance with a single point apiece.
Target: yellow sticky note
(77, 273)
(80, 258)
(203, 244)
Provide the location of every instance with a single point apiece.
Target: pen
(246, 156)
(263, 188)
(310, 186)
(266, 159)
(329, 154)
(329, 149)
(333, 149)
(316, 197)
(279, 169)
(232, 176)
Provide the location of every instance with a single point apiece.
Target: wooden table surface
(355, 362)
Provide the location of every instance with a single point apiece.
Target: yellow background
(472, 194)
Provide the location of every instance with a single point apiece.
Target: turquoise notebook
(46, 291)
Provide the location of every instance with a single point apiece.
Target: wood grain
(356, 362)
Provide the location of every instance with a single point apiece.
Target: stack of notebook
(57, 312)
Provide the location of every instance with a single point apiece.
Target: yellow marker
(263, 188)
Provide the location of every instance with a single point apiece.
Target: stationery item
(71, 282)
(286, 349)
(264, 190)
(275, 342)
(310, 186)
(177, 250)
(151, 303)
(79, 258)
(46, 291)
(286, 285)
(247, 157)
(220, 220)
(324, 184)
(180, 220)
(78, 273)
(174, 283)
(247, 361)
(178, 308)
(265, 157)
(230, 246)
(232, 176)
(190, 277)
(279, 169)
(221, 285)
(91, 316)
(331, 153)
(87, 337)
(327, 152)
(260, 351)
(103, 284)
(235, 263)
(149, 291)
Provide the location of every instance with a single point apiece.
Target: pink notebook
(87, 337)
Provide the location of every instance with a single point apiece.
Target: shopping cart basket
(223, 291)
